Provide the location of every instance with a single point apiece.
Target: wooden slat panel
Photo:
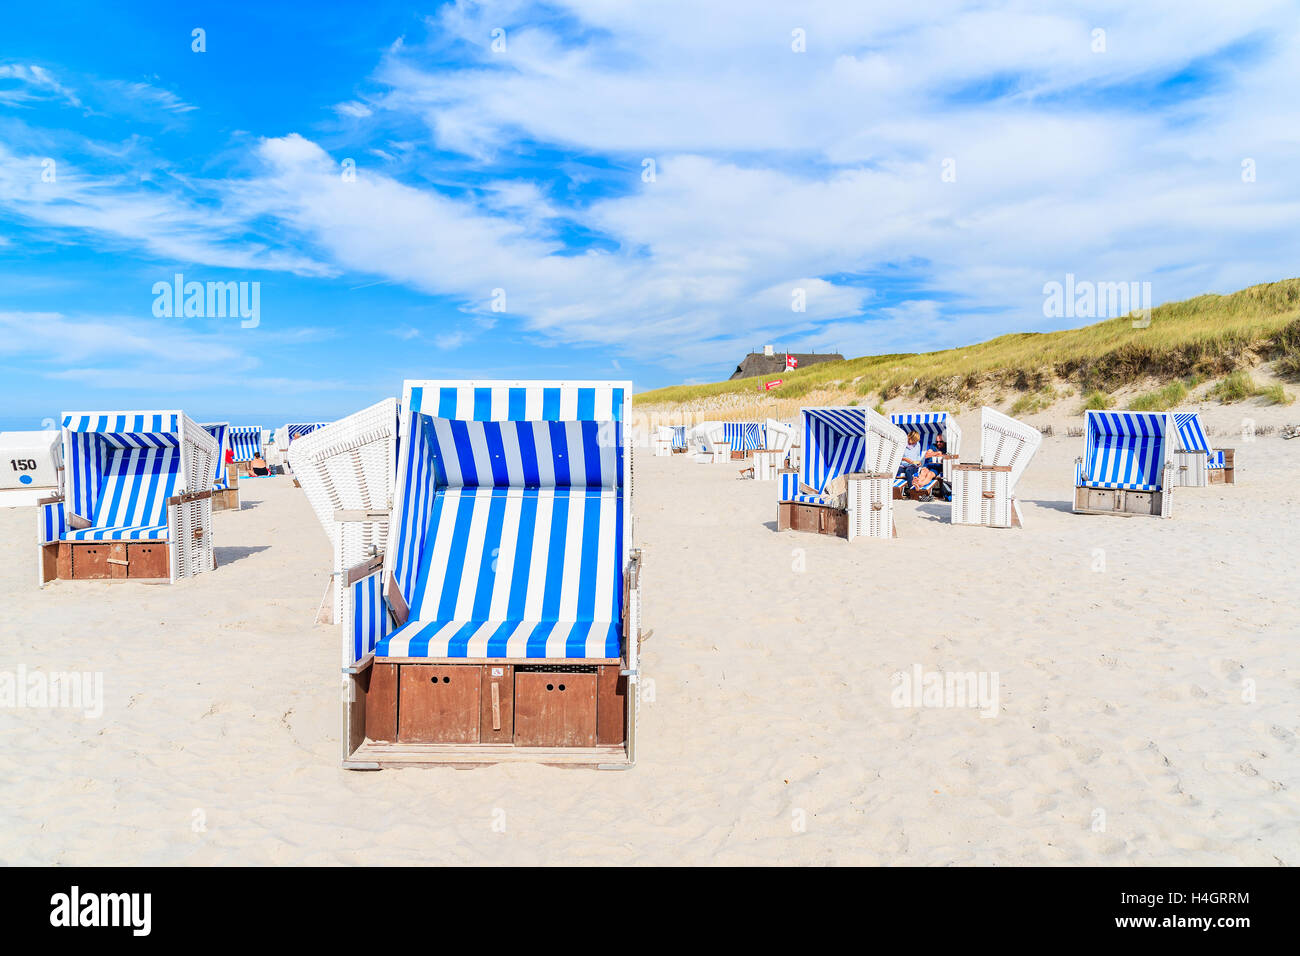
(148, 559)
(381, 703)
(611, 705)
(438, 704)
(555, 709)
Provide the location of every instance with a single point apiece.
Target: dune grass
(1160, 400)
(1205, 337)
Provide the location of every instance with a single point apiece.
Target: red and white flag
(772, 384)
(791, 363)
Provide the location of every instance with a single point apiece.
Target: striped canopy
(246, 440)
(220, 431)
(1191, 437)
(744, 436)
(679, 436)
(1127, 450)
(508, 532)
(121, 469)
(298, 429)
(841, 441)
(931, 425)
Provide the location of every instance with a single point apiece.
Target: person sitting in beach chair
(922, 468)
(258, 466)
(913, 457)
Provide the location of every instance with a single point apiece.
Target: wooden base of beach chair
(1227, 474)
(739, 454)
(98, 560)
(1113, 501)
(816, 519)
(679, 451)
(226, 500)
(423, 712)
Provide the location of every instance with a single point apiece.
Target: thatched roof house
(772, 362)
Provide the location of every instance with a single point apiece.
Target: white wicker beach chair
(983, 492)
(662, 441)
(856, 444)
(347, 470)
(1128, 464)
(137, 501)
(504, 622)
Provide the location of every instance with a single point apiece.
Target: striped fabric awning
(1191, 437)
(298, 429)
(931, 425)
(1125, 450)
(121, 468)
(679, 436)
(246, 441)
(508, 533)
(841, 441)
(221, 432)
(744, 436)
(130, 426)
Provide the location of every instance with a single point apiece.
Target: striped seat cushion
(146, 533)
(1214, 460)
(517, 639)
(809, 499)
(1121, 485)
(516, 572)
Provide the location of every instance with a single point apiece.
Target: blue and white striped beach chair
(1128, 464)
(931, 426)
(1196, 464)
(838, 442)
(225, 486)
(246, 442)
(137, 499)
(679, 439)
(509, 577)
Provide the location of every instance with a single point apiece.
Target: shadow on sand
(230, 555)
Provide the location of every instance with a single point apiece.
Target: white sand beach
(1121, 736)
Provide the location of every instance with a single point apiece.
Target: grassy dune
(1188, 344)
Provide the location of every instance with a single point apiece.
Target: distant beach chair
(1196, 464)
(713, 439)
(662, 441)
(850, 458)
(31, 467)
(931, 426)
(347, 470)
(744, 438)
(225, 486)
(679, 444)
(510, 579)
(137, 501)
(246, 442)
(1128, 464)
(983, 492)
(767, 462)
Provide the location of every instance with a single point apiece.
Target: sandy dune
(771, 736)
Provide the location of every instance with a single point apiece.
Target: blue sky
(127, 157)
